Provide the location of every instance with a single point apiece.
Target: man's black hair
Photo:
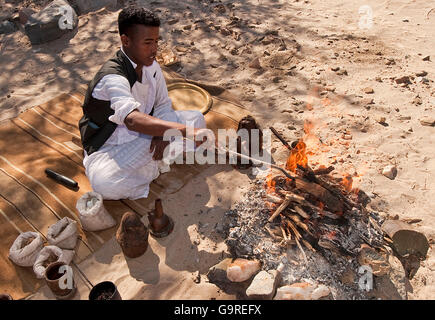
(136, 15)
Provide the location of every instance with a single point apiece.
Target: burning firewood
(317, 211)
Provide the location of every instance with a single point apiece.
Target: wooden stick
(299, 223)
(308, 245)
(302, 201)
(301, 212)
(293, 228)
(302, 250)
(283, 233)
(323, 171)
(271, 233)
(320, 193)
(274, 199)
(282, 207)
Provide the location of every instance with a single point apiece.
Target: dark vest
(95, 126)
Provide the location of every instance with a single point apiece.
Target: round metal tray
(187, 96)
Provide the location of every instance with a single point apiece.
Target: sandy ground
(298, 44)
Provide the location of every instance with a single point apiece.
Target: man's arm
(116, 89)
(150, 125)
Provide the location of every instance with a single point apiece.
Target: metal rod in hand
(286, 173)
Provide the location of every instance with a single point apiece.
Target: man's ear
(125, 40)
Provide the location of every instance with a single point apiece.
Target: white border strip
(73, 134)
(10, 221)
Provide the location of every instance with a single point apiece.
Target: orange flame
(297, 157)
(347, 183)
(270, 184)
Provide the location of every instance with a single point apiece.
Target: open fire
(314, 226)
(314, 210)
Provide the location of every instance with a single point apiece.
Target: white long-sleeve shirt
(143, 96)
(123, 167)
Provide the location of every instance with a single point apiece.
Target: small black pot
(104, 291)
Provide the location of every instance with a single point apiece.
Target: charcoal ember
(238, 248)
(363, 198)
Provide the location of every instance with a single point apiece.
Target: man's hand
(205, 135)
(158, 146)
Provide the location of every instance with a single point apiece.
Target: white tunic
(123, 167)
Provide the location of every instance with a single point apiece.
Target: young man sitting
(127, 111)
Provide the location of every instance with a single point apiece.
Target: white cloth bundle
(93, 214)
(63, 233)
(39, 266)
(24, 254)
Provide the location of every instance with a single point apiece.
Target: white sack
(93, 215)
(26, 256)
(63, 233)
(40, 264)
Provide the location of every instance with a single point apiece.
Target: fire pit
(312, 225)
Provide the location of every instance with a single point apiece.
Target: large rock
(7, 27)
(52, 22)
(218, 273)
(242, 269)
(302, 291)
(84, 6)
(392, 286)
(263, 286)
(406, 240)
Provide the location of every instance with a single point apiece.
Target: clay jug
(132, 235)
(161, 224)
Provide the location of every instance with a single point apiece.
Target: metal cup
(56, 282)
(104, 291)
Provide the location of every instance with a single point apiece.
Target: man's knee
(199, 119)
(103, 184)
(192, 118)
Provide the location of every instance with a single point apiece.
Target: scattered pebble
(366, 101)
(381, 120)
(421, 73)
(390, 172)
(342, 72)
(369, 90)
(197, 277)
(255, 64)
(390, 61)
(427, 121)
(404, 79)
(172, 21)
(417, 100)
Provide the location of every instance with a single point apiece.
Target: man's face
(141, 44)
